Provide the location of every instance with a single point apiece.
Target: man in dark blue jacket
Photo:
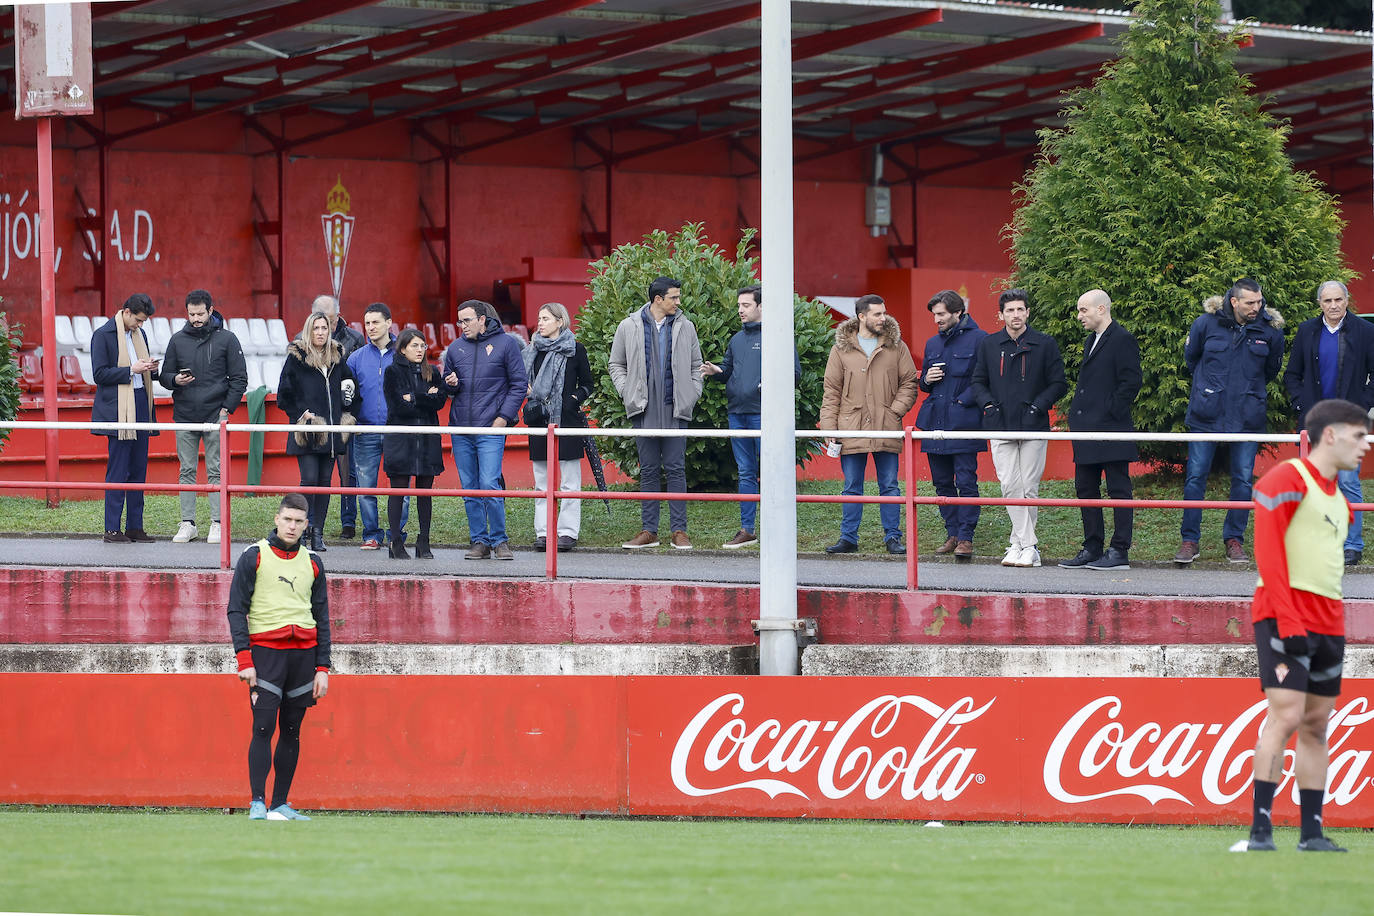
(1333, 357)
(123, 374)
(485, 375)
(947, 374)
(742, 372)
(1234, 349)
(368, 363)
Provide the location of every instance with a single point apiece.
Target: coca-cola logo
(875, 750)
(1095, 756)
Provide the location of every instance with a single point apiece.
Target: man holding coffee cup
(949, 360)
(870, 384)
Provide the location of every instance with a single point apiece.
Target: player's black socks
(1310, 802)
(260, 750)
(288, 752)
(1260, 822)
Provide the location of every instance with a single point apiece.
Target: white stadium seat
(254, 373)
(66, 337)
(83, 359)
(178, 324)
(271, 372)
(276, 331)
(81, 330)
(261, 337)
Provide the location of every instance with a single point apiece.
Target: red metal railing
(552, 494)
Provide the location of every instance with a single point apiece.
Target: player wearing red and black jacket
(279, 622)
(1301, 519)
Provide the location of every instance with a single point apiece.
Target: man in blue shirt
(742, 372)
(367, 364)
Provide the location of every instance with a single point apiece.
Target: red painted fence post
(225, 513)
(912, 538)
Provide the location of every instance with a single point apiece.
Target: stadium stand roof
(974, 73)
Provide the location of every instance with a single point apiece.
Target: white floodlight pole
(777, 465)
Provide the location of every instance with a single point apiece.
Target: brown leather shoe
(963, 550)
(1235, 551)
(115, 537)
(680, 540)
(502, 551)
(1187, 552)
(478, 551)
(139, 536)
(948, 546)
(741, 539)
(642, 540)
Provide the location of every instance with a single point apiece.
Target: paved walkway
(665, 564)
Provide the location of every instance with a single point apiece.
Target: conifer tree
(1167, 183)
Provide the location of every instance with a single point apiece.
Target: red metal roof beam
(1279, 77)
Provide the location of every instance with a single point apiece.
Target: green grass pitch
(132, 861)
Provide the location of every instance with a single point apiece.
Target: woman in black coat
(316, 387)
(560, 381)
(414, 396)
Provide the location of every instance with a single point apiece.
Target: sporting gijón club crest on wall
(338, 233)
(1120, 749)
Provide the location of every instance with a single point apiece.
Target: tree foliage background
(9, 374)
(1167, 183)
(710, 284)
(1331, 14)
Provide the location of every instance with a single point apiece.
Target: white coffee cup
(348, 387)
(833, 449)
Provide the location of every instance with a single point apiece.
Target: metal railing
(909, 438)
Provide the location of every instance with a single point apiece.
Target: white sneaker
(213, 536)
(1030, 557)
(1013, 554)
(187, 532)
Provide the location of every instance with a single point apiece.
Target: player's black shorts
(1317, 673)
(284, 676)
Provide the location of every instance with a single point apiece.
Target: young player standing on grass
(1301, 518)
(279, 621)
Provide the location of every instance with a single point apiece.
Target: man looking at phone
(948, 373)
(205, 370)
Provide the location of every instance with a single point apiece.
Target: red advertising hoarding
(1038, 749)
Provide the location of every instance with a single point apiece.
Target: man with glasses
(486, 378)
(1234, 349)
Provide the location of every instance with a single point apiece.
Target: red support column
(226, 527)
(550, 508)
(47, 294)
(912, 541)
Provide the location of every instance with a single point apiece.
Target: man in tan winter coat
(870, 383)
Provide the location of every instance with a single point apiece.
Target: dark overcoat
(412, 454)
(1354, 365)
(1108, 382)
(303, 387)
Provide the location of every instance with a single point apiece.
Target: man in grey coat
(656, 369)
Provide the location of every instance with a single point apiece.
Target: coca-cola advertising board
(1040, 749)
(1030, 749)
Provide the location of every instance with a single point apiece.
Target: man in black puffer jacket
(205, 370)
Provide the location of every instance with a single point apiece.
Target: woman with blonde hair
(317, 388)
(560, 381)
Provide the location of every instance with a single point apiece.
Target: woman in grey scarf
(560, 381)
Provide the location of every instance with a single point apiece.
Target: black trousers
(1087, 480)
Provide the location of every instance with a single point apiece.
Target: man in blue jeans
(742, 372)
(486, 378)
(368, 363)
(1234, 349)
(1333, 357)
(870, 384)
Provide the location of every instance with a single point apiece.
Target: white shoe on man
(186, 533)
(1013, 554)
(213, 536)
(1030, 557)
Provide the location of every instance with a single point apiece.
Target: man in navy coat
(1333, 357)
(947, 373)
(123, 373)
